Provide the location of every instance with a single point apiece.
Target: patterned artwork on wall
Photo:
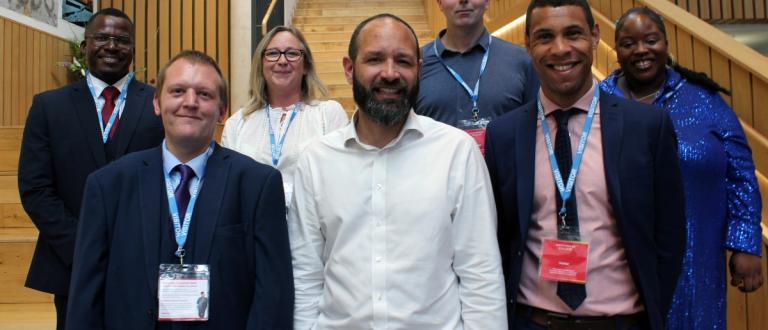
(42, 10)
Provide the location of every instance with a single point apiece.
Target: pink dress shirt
(610, 289)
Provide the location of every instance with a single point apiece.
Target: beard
(387, 112)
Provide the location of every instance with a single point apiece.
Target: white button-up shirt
(402, 237)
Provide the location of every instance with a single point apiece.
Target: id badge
(183, 292)
(475, 129)
(564, 261)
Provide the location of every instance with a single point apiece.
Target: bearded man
(393, 223)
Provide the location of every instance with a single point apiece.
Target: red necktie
(110, 94)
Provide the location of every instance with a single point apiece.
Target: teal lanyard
(566, 189)
(474, 95)
(276, 147)
(120, 101)
(180, 231)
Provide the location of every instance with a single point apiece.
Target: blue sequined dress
(721, 194)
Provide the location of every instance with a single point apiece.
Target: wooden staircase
(328, 25)
(20, 308)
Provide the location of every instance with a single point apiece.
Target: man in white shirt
(393, 223)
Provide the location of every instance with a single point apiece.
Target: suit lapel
(153, 199)
(129, 119)
(206, 212)
(526, 147)
(612, 126)
(85, 110)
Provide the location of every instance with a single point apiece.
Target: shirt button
(378, 187)
(379, 296)
(378, 259)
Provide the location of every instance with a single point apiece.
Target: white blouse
(249, 135)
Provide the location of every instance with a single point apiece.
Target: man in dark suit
(64, 141)
(188, 201)
(609, 256)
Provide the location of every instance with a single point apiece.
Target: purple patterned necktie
(182, 190)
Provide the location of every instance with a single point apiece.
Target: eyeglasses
(100, 39)
(291, 55)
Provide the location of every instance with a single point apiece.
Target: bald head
(354, 41)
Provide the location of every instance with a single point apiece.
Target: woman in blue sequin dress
(721, 193)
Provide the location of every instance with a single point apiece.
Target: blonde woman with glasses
(284, 113)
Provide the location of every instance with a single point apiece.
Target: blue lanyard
(179, 231)
(120, 100)
(473, 94)
(566, 190)
(277, 147)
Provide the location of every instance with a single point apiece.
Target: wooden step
(340, 90)
(323, 46)
(344, 36)
(328, 56)
(359, 11)
(16, 248)
(10, 143)
(333, 78)
(12, 215)
(354, 1)
(34, 316)
(413, 20)
(346, 25)
(360, 4)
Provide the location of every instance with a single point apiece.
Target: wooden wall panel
(176, 34)
(721, 73)
(186, 24)
(741, 91)
(165, 27)
(684, 48)
(738, 9)
(701, 60)
(726, 9)
(760, 90)
(760, 9)
(704, 9)
(716, 10)
(29, 64)
(198, 36)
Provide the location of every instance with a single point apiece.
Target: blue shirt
(197, 164)
(509, 80)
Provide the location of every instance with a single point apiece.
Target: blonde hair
(311, 85)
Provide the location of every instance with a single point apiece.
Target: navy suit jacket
(240, 232)
(644, 188)
(61, 146)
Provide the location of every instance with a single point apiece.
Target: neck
(565, 101)
(109, 79)
(642, 89)
(186, 152)
(461, 39)
(285, 99)
(374, 134)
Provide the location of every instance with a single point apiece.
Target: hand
(745, 271)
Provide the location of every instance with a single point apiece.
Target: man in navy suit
(188, 201)
(64, 141)
(588, 191)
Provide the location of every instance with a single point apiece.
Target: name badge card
(475, 129)
(564, 261)
(183, 292)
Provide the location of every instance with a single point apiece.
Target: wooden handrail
(712, 37)
(266, 17)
